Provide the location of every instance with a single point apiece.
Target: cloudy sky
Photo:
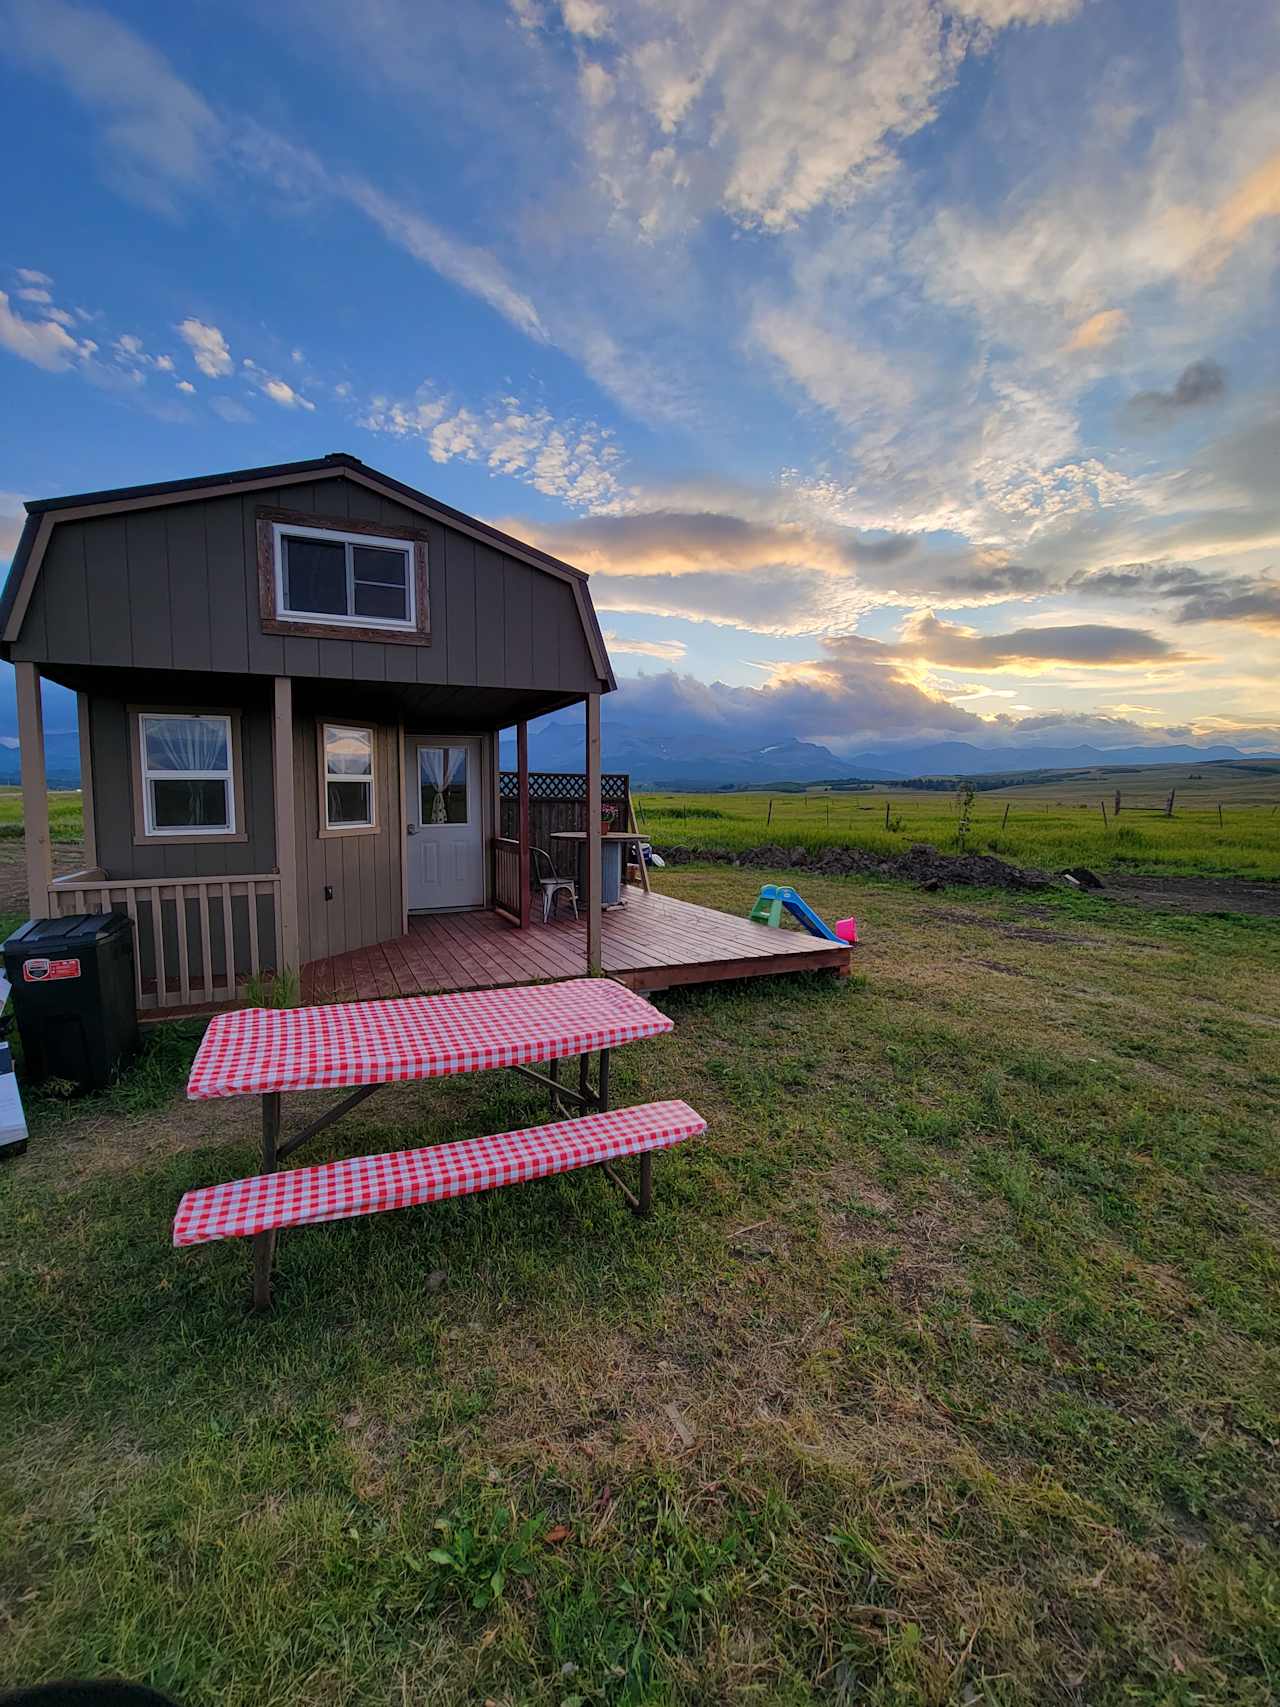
(897, 368)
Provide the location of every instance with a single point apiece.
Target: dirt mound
(919, 864)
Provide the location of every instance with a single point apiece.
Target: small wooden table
(612, 843)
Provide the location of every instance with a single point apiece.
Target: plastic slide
(774, 897)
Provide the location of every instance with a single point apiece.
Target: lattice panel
(563, 786)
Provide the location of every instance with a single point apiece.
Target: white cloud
(208, 346)
(281, 392)
(572, 460)
(44, 343)
(164, 363)
(585, 18)
(32, 276)
(34, 293)
(669, 650)
(768, 113)
(473, 269)
(851, 381)
(186, 385)
(159, 133)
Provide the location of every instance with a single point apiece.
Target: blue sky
(897, 369)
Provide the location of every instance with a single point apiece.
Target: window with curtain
(349, 802)
(188, 786)
(358, 579)
(442, 785)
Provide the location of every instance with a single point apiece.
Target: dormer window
(322, 576)
(344, 578)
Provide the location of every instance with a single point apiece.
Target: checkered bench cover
(363, 1185)
(255, 1051)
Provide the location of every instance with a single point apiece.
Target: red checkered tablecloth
(363, 1185)
(254, 1051)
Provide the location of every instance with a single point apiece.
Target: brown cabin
(290, 684)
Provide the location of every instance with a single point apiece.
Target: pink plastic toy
(847, 930)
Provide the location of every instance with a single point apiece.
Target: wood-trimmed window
(348, 754)
(342, 578)
(187, 775)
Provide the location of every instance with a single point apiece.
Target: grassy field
(65, 821)
(1049, 825)
(947, 1371)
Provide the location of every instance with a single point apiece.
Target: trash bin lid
(73, 931)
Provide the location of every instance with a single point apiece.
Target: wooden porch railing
(196, 939)
(509, 879)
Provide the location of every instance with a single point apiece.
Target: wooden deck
(650, 944)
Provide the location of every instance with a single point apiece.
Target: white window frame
(405, 547)
(227, 777)
(347, 827)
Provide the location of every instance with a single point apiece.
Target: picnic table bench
(361, 1046)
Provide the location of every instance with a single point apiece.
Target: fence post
(1219, 814)
(1168, 808)
(1005, 819)
(769, 818)
(1103, 805)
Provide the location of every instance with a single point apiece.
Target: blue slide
(799, 910)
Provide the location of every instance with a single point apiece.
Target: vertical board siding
(232, 591)
(176, 586)
(66, 552)
(111, 621)
(461, 614)
(188, 566)
(364, 871)
(491, 618)
(518, 584)
(150, 604)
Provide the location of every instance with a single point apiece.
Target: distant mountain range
(665, 762)
(61, 760)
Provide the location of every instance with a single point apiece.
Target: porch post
(35, 789)
(522, 822)
(593, 835)
(286, 844)
(86, 781)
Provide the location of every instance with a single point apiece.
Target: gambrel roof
(44, 514)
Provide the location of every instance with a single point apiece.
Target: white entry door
(445, 833)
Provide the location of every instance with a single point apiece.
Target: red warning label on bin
(45, 971)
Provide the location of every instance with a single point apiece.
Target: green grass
(1045, 827)
(946, 1372)
(66, 823)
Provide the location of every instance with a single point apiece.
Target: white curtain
(187, 744)
(440, 767)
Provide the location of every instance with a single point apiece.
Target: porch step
(366, 1185)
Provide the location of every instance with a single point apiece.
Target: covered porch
(651, 943)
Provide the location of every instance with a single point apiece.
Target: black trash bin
(73, 996)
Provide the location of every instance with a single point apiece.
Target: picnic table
(361, 1046)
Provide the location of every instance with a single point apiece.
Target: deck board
(653, 942)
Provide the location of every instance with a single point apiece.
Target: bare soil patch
(67, 857)
(1257, 897)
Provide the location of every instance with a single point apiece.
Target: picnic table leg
(646, 1185)
(553, 1072)
(264, 1244)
